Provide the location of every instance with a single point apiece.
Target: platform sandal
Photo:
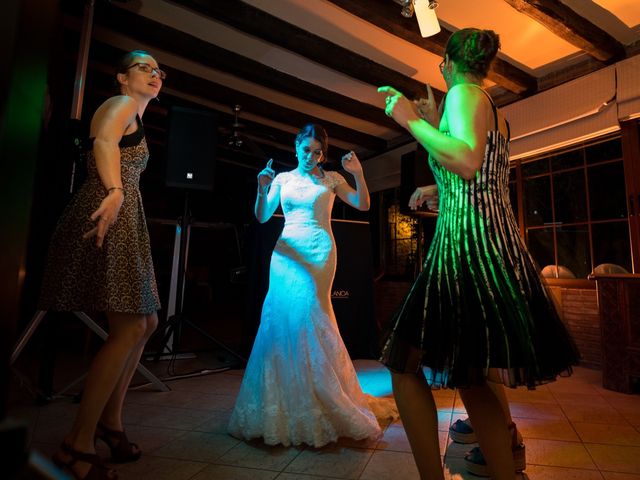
(97, 471)
(476, 464)
(461, 431)
(122, 450)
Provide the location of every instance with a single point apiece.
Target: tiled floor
(573, 430)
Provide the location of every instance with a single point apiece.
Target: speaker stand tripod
(95, 328)
(176, 319)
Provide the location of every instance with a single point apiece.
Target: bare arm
(358, 198)
(108, 126)
(462, 151)
(268, 197)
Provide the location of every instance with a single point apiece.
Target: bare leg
(112, 414)
(498, 389)
(420, 419)
(125, 333)
(491, 426)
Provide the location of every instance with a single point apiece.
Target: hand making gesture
(428, 194)
(266, 176)
(106, 215)
(351, 163)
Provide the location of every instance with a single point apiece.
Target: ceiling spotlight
(407, 8)
(426, 15)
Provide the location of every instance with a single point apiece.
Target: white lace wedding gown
(300, 385)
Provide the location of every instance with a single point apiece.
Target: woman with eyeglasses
(300, 385)
(477, 317)
(100, 261)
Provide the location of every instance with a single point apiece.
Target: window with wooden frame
(578, 208)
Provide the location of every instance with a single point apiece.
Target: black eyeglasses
(441, 66)
(146, 68)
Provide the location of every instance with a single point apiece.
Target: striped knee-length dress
(479, 302)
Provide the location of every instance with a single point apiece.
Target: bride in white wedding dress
(300, 385)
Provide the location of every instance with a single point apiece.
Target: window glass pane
(401, 243)
(611, 244)
(573, 249)
(569, 197)
(540, 243)
(600, 152)
(607, 197)
(574, 158)
(537, 201)
(513, 197)
(535, 168)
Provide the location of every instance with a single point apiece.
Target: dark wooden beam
(261, 24)
(385, 14)
(221, 94)
(99, 80)
(195, 49)
(214, 92)
(632, 49)
(569, 72)
(564, 22)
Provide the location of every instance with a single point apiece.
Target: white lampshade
(427, 20)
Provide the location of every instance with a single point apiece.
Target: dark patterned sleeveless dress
(118, 277)
(479, 302)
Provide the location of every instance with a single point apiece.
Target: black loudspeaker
(414, 172)
(191, 150)
(351, 293)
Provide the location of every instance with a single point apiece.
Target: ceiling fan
(236, 140)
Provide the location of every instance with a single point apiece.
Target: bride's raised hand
(351, 163)
(266, 176)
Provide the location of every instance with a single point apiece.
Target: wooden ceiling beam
(99, 76)
(267, 27)
(385, 14)
(195, 49)
(564, 22)
(255, 105)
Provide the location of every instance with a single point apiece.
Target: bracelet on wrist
(111, 189)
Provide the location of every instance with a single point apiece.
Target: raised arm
(268, 197)
(358, 198)
(462, 151)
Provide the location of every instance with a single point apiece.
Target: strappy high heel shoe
(98, 470)
(476, 464)
(122, 450)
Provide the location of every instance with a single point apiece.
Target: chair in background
(557, 271)
(608, 269)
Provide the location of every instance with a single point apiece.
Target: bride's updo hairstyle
(316, 132)
(473, 50)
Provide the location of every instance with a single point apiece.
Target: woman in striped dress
(478, 313)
